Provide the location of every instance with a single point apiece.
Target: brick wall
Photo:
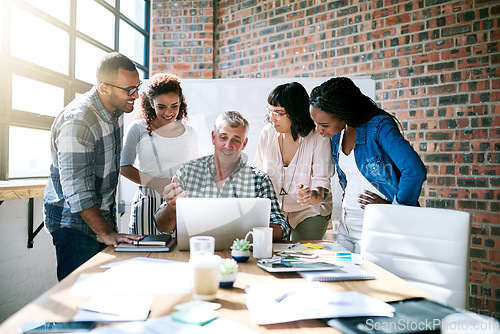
(182, 38)
(435, 63)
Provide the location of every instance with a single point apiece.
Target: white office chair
(427, 247)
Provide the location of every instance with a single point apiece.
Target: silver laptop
(223, 218)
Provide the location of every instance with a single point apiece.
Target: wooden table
(19, 189)
(55, 305)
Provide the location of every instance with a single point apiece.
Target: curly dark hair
(161, 83)
(341, 98)
(294, 98)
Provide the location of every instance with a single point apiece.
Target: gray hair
(232, 118)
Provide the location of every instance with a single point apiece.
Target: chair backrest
(427, 247)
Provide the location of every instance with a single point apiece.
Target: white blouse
(312, 166)
(139, 150)
(352, 213)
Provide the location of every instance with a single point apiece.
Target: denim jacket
(386, 160)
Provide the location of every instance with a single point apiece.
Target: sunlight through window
(87, 58)
(39, 42)
(57, 8)
(96, 21)
(43, 98)
(131, 42)
(28, 158)
(134, 10)
(50, 58)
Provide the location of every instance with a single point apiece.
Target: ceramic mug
(262, 244)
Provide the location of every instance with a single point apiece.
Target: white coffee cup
(201, 245)
(262, 242)
(206, 276)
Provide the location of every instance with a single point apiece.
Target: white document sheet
(165, 324)
(135, 277)
(115, 308)
(270, 304)
(136, 259)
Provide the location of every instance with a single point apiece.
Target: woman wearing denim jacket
(375, 164)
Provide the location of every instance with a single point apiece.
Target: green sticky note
(195, 316)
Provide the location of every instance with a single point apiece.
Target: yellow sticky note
(313, 246)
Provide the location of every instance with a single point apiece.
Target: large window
(49, 51)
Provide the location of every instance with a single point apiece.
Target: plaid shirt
(86, 144)
(197, 178)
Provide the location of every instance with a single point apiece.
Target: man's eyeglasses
(130, 91)
(276, 112)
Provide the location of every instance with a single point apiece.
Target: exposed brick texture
(436, 64)
(182, 34)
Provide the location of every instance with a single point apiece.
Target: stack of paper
(270, 304)
(322, 252)
(347, 272)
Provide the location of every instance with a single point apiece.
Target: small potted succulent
(228, 270)
(240, 250)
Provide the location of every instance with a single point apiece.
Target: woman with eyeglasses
(298, 162)
(160, 141)
(374, 162)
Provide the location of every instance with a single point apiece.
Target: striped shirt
(86, 144)
(197, 178)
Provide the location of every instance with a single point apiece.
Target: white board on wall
(207, 98)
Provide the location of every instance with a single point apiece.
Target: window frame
(15, 66)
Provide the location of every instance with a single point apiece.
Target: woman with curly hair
(160, 142)
(298, 162)
(375, 164)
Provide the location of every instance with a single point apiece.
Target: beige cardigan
(312, 165)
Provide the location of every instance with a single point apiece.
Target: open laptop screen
(223, 218)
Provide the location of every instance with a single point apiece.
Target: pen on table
(294, 245)
(298, 254)
(274, 259)
(286, 294)
(83, 308)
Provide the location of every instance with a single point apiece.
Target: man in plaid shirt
(223, 174)
(86, 141)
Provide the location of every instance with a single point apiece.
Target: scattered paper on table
(135, 277)
(270, 304)
(136, 259)
(166, 324)
(115, 308)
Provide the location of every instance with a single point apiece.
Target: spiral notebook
(348, 272)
